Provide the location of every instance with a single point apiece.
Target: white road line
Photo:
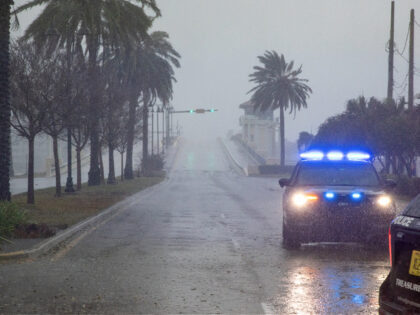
(268, 308)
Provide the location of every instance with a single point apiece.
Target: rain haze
(340, 45)
(114, 211)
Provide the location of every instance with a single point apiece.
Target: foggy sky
(340, 43)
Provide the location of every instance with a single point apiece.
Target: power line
(406, 39)
(403, 83)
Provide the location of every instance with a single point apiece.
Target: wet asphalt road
(207, 240)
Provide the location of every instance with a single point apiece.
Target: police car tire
(288, 240)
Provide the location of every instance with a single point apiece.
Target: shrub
(153, 162)
(10, 217)
(408, 186)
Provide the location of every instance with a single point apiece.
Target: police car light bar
(312, 155)
(358, 156)
(316, 155)
(335, 156)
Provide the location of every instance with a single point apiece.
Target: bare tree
(27, 69)
(53, 95)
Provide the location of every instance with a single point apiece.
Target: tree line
(87, 72)
(386, 127)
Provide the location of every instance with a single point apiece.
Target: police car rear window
(337, 174)
(413, 208)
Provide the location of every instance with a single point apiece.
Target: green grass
(72, 208)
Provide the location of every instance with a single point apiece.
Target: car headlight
(384, 201)
(301, 199)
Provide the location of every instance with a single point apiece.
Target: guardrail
(230, 156)
(258, 158)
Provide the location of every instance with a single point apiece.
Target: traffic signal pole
(411, 64)
(391, 56)
(195, 111)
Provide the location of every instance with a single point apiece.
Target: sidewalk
(32, 247)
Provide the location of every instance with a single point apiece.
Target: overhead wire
(401, 53)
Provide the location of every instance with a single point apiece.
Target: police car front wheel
(289, 240)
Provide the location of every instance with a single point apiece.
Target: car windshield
(413, 208)
(342, 174)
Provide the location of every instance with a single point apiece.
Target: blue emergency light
(312, 155)
(329, 195)
(356, 196)
(335, 155)
(357, 156)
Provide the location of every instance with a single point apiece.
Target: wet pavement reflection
(207, 240)
(332, 278)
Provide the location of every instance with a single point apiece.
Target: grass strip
(75, 207)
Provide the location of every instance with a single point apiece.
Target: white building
(258, 131)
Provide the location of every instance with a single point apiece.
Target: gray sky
(340, 43)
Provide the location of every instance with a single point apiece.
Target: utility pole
(157, 129)
(391, 56)
(152, 130)
(411, 64)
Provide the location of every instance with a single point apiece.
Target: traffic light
(194, 111)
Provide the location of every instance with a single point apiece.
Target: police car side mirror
(390, 184)
(284, 182)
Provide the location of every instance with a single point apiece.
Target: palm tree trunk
(145, 136)
(394, 165)
(31, 193)
(5, 147)
(387, 163)
(94, 172)
(56, 167)
(128, 171)
(282, 138)
(79, 168)
(11, 169)
(111, 172)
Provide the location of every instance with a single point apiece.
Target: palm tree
(151, 77)
(304, 140)
(5, 148)
(278, 86)
(94, 22)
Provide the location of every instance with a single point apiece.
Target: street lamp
(152, 111)
(93, 44)
(69, 182)
(158, 110)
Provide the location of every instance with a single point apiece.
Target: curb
(230, 156)
(64, 236)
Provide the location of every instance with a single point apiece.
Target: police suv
(400, 292)
(335, 196)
